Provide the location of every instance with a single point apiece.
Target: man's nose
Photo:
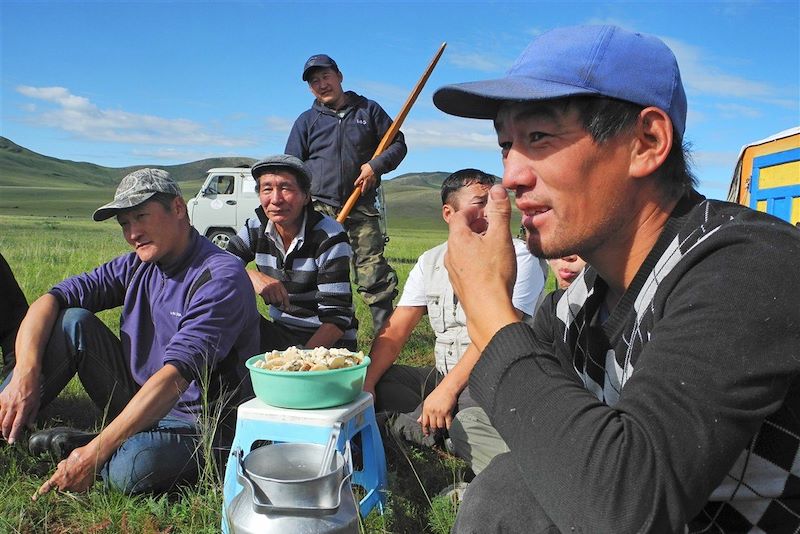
(134, 231)
(517, 171)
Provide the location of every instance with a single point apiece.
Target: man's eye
(537, 136)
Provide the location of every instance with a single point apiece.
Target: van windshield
(220, 185)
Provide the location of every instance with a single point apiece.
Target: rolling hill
(22, 167)
(82, 186)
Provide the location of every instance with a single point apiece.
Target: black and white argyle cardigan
(678, 411)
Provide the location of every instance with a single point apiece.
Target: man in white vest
(431, 402)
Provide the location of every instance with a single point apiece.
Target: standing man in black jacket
(336, 139)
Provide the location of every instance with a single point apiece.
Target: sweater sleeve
(391, 157)
(243, 244)
(719, 359)
(102, 288)
(334, 293)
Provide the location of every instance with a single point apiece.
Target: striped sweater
(315, 271)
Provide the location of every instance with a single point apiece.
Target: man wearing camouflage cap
(188, 322)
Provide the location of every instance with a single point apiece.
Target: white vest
(444, 312)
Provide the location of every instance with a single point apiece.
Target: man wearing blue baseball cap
(659, 392)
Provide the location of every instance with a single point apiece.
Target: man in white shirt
(431, 400)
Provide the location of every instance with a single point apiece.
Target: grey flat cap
(284, 161)
(136, 188)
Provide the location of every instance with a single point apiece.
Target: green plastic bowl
(307, 390)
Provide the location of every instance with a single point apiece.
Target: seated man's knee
(144, 465)
(74, 324)
(475, 439)
(71, 318)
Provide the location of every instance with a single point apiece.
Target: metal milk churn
(287, 492)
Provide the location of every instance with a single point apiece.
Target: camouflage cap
(136, 188)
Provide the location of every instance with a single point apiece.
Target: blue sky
(133, 83)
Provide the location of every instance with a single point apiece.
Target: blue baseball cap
(318, 61)
(579, 60)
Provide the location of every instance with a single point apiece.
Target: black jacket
(334, 147)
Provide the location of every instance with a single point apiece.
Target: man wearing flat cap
(336, 139)
(188, 323)
(659, 392)
(302, 261)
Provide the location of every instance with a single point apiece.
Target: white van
(228, 198)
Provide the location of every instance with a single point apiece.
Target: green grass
(42, 250)
(46, 235)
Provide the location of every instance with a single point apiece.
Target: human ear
(447, 212)
(652, 142)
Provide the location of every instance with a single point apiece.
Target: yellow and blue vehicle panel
(770, 176)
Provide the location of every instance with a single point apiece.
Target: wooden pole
(388, 137)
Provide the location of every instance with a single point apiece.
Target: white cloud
(715, 159)
(384, 91)
(479, 61)
(738, 111)
(451, 133)
(279, 124)
(699, 73)
(80, 117)
(172, 154)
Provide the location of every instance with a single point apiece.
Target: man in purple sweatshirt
(189, 320)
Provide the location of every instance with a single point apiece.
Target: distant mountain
(20, 167)
(412, 197)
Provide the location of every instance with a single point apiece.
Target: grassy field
(43, 250)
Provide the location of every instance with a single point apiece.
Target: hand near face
(366, 180)
(482, 269)
(272, 290)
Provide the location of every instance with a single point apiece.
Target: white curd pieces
(318, 359)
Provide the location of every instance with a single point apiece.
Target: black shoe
(407, 428)
(58, 441)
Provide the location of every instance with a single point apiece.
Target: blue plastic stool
(257, 421)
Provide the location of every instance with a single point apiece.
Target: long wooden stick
(388, 137)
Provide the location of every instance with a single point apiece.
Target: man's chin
(145, 255)
(535, 246)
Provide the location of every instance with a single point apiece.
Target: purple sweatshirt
(198, 314)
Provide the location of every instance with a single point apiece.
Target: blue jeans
(155, 459)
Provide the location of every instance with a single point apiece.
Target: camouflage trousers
(374, 278)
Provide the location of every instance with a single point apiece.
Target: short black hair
(463, 178)
(605, 118)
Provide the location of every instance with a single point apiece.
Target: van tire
(219, 237)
